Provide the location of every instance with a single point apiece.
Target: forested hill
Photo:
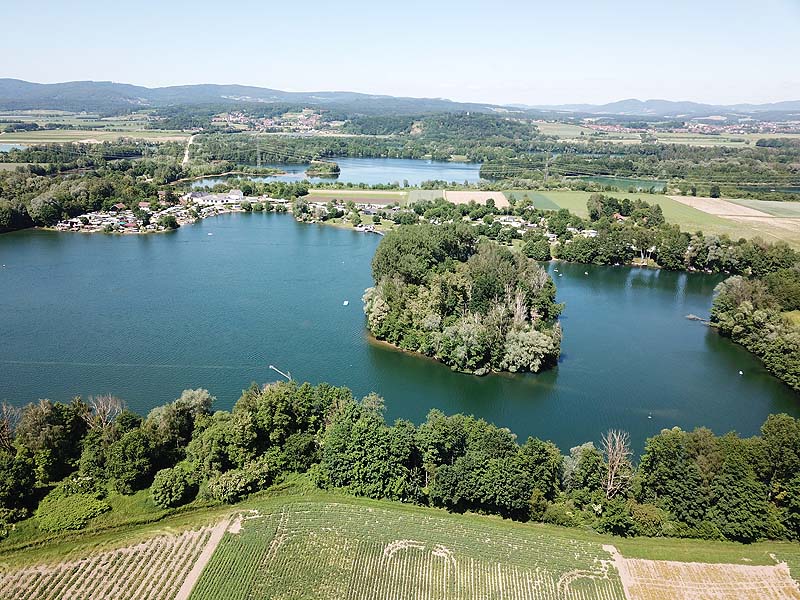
(108, 97)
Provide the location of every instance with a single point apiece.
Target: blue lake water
(376, 171)
(146, 316)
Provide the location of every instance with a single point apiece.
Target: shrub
(61, 512)
(562, 513)
(230, 487)
(172, 487)
(648, 520)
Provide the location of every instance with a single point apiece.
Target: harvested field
(464, 197)
(153, 569)
(719, 207)
(669, 580)
(753, 222)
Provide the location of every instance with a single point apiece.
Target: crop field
(334, 550)
(88, 135)
(775, 209)
(419, 195)
(465, 197)
(360, 196)
(736, 220)
(154, 569)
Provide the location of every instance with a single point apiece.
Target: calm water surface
(147, 316)
(376, 171)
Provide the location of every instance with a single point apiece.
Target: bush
(172, 487)
(230, 487)
(648, 520)
(67, 512)
(562, 513)
(616, 519)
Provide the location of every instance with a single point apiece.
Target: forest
(761, 313)
(62, 463)
(475, 306)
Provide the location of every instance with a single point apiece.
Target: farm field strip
(153, 570)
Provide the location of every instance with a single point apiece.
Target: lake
(147, 316)
(374, 171)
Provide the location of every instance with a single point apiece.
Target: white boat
(346, 302)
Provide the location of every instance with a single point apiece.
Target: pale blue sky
(504, 51)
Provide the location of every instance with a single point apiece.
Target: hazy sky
(503, 51)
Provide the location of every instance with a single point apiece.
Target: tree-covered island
(475, 306)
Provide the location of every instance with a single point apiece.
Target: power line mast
(258, 151)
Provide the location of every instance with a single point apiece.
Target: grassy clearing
(793, 316)
(563, 130)
(11, 166)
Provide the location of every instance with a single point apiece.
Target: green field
(416, 195)
(563, 130)
(690, 219)
(362, 196)
(302, 543)
(345, 550)
(776, 209)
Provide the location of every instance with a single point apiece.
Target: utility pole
(258, 151)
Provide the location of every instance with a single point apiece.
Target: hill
(109, 97)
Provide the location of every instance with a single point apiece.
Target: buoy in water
(586, 272)
(346, 302)
(741, 372)
(650, 416)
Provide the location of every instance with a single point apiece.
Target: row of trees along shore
(475, 306)
(62, 465)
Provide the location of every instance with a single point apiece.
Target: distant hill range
(105, 96)
(669, 108)
(109, 97)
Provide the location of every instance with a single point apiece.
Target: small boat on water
(346, 302)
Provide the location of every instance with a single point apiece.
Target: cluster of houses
(191, 207)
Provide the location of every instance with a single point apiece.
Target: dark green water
(147, 316)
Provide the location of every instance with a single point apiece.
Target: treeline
(763, 314)
(689, 168)
(61, 463)
(476, 307)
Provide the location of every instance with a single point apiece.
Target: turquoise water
(377, 171)
(147, 316)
